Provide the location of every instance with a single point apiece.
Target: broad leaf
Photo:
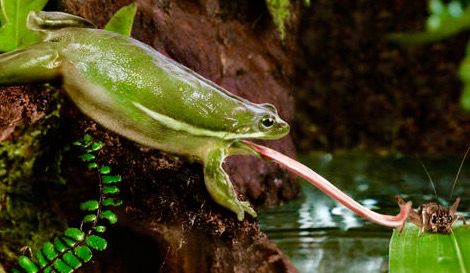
(445, 20)
(464, 74)
(431, 252)
(122, 20)
(13, 31)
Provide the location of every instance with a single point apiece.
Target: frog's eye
(267, 122)
(433, 219)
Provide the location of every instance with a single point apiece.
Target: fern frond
(74, 248)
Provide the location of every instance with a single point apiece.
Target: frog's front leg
(220, 187)
(39, 63)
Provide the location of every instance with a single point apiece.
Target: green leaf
(84, 253)
(465, 99)
(111, 202)
(75, 234)
(89, 218)
(40, 258)
(105, 170)
(72, 260)
(87, 157)
(110, 190)
(92, 165)
(69, 241)
(110, 216)
(87, 139)
(108, 179)
(90, 205)
(96, 242)
(59, 245)
(464, 74)
(13, 31)
(431, 252)
(100, 229)
(95, 146)
(49, 251)
(122, 20)
(62, 267)
(77, 143)
(27, 264)
(444, 21)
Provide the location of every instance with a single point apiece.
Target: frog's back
(140, 77)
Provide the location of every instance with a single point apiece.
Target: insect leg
(460, 217)
(424, 220)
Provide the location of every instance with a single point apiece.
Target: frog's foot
(38, 63)
(247, 208)
(220, 187)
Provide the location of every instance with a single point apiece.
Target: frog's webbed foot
(220, 187)
(53, 20)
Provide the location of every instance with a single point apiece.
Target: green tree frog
(136, 92)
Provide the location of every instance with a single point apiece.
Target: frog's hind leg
(39, 63)
(220, 187)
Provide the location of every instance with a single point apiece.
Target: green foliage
(13, 31)
(280, 12)
(431, 252)
(444, 20)
(122, 20)
(71, 250)
(464, 74)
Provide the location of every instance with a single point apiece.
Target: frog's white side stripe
(191, 129)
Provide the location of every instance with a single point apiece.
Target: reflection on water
(322, 236)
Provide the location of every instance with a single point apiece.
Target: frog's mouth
(279, 130)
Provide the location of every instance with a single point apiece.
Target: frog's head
(260, 121)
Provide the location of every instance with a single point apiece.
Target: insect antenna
(458, 173)
(429, 177)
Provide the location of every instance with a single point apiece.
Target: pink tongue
(325, 186)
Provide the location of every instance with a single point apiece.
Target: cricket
(433, 217)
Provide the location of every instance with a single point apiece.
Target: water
(320, 235)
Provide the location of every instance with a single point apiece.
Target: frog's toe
(220, 187)
(248, 209)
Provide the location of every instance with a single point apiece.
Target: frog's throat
(186, 127)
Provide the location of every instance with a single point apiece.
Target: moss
(280, 12)
(24, 219)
